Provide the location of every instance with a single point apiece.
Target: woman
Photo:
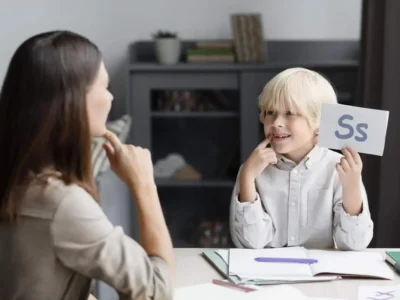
(54, 98)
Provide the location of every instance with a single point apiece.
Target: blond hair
(297, 90)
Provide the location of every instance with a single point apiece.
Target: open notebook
(242, 263)
(219, 260)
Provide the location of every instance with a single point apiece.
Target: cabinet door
(344, 80)
(195, 115)
(251, 129)
(141, 86)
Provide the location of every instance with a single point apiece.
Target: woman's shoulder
(45, 198)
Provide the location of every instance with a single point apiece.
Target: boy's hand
(350, 168)
(258, 160)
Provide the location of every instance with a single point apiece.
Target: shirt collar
(307, 161)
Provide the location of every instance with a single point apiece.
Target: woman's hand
(132, 164)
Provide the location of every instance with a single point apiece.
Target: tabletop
(192, 268)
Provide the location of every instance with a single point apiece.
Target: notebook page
(352, 263)
(224, 254)
(242, 263)
(289, 279)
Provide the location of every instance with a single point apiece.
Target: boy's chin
(282, 149)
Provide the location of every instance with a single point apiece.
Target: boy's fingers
(356, 156)
(264, 143)
(349, 157)
(339, 168)
(344, 164)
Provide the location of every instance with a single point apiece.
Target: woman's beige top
(63, 241)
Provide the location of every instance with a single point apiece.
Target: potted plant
(167, 47)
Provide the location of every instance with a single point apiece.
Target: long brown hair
(43, 115)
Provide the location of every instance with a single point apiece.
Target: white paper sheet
(383, 292)
(211, 291)
(319, 298)
(363, 129)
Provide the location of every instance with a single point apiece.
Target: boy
(296, 193)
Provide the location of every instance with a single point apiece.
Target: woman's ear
(316, 132)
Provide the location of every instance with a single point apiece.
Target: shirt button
(292, 238)
(294, 171)
(293, 203)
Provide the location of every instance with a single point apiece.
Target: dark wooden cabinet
(217, 141)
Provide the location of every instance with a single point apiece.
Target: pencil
(235, 286)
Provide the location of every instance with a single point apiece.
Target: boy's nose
(278, 121)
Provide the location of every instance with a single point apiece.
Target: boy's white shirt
(300, 205)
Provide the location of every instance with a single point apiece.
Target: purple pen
(286, 260)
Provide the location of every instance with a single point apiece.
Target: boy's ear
(316, 134)
(262, 116)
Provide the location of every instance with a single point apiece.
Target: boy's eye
(289, 113)
(269, 113)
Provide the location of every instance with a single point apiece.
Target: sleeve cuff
(163, 288)
(249, 212)
(360, 221)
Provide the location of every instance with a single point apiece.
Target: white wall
(113, 24)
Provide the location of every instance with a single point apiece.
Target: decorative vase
(168, 50)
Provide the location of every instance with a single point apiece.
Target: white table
(192, 268)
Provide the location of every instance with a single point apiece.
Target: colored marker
(286, 260)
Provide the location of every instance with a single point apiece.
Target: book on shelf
(210, 58)
(199, 55)
(209, 51)
(215, 44)
(247, 30)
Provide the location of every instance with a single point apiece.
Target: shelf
(194, 183)
(218, 67)
(184, 114)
